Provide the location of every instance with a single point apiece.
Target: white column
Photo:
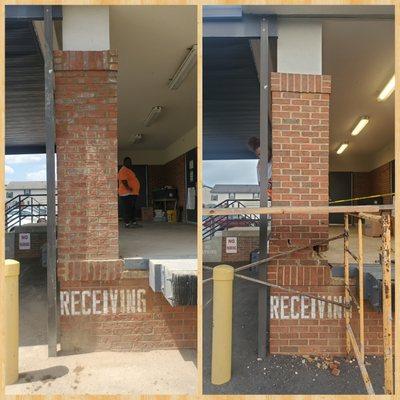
(86, 28)
(299, 46)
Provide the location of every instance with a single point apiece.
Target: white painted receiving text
(102, 302)
(302, 307)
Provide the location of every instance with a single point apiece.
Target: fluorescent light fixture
(342, 148)
(183, 71)
(360, 126)
(153, 115)
(387, 90)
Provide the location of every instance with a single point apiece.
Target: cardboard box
(372, 228)
(147, 213)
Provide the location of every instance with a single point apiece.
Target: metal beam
(51, 185)
(26, 149)
(263, 292)
(246, 27)
(31, 12)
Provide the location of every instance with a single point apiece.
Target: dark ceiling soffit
(31, 12)
(34, 149)
(246, 26)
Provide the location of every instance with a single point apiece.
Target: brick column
(300, 167)
(300, 164)
(86, 131)
(103, 306)
(300, 143)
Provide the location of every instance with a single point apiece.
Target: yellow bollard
(12, 320)
(221, 361)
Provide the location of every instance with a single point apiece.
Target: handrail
(26, 196)
(233, 201)
(213, 224)
(23, 206)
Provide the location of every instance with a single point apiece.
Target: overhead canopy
(358, 52)
(231, 102)
(24, 89)
(151, 41)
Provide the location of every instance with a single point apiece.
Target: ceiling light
(342, 148)
(153, 115)
(136, 138)
(184, 69)
(387, 90)
(360, 126)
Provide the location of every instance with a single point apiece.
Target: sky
(25, 167)
(32, 167)
(229, 172)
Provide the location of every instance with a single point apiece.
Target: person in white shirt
(254, 145)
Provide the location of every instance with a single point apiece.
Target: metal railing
(23, 207)
(213, 224)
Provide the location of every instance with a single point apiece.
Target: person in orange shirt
(128, 191)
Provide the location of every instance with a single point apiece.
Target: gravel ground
(275, 374)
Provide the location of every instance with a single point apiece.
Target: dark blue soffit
(31, 12)
(231, 99)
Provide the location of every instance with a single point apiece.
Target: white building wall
(206, 195)
(209, 199)
(17, 192)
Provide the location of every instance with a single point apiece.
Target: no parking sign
(231, 245)
(24, 241)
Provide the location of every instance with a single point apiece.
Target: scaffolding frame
(382, 215)
(351, 341)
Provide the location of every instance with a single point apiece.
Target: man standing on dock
(128, 191)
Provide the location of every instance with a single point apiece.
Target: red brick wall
(300, 163)
(300, 141)
(155, 179)
(38, 240)
(377, 181)
(362, 185)
(86, 138)
(150, 324)
(300, 166)
(313, 334)
(175, 176)
(245, 245)
(88, 266)
(171, 174)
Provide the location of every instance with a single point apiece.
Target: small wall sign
(231, 245)
(24, 241)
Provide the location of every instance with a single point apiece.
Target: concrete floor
(153, 372)
(159, 240)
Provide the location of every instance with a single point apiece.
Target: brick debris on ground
(278, 374)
